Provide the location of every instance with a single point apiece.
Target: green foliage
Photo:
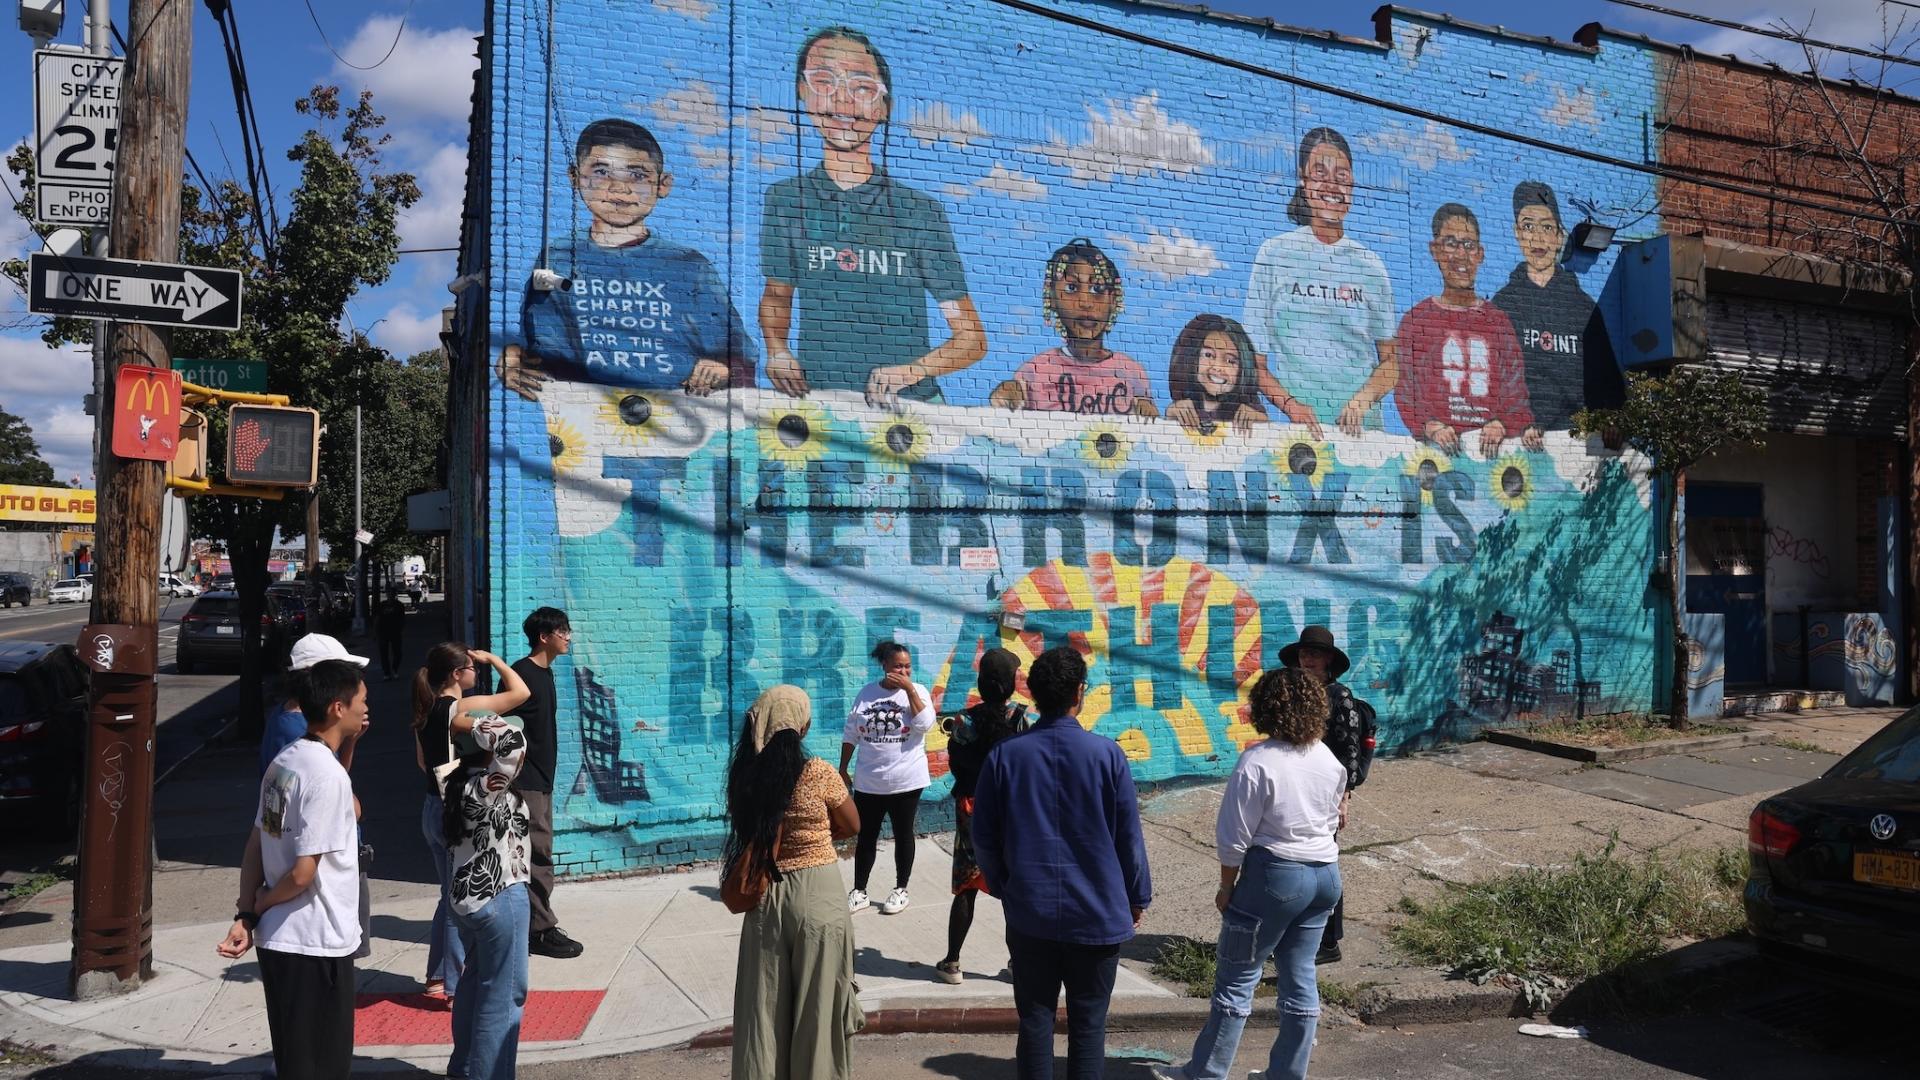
(1187, 962)
(20, 461)
(1679, 418)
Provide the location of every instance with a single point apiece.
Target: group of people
(488, 763)
(1047, 821)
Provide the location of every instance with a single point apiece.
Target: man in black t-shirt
(549, 636)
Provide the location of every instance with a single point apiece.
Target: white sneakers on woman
(857, 900)
(895, 903)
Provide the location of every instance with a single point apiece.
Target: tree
(1676, 420)
(20, 461)
(340, 236)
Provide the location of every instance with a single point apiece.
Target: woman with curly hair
(1278, 876)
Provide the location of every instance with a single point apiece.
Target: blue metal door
(1727, 572)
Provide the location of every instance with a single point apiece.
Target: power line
(1645, 168)
(397, 34)
(1777, 35)
(266, 215)
(423, 251)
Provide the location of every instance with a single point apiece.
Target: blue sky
(423, 89)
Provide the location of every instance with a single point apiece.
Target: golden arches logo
(149, 388)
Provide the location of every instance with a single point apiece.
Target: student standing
(300, 883)
(389, 627)
(486, 830)
(970, 739)
(888, 725)
(549, 636)
(1056, 829)
(1351, 729)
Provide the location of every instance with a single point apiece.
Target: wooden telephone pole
(113, 900)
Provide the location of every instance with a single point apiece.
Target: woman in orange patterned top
(795, 1008)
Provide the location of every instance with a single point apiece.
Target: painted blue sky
(423, 88)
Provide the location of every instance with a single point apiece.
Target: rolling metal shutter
(1826, 370)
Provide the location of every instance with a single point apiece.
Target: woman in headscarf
(794, 1004)
(970, 736)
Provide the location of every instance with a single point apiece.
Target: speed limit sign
(76, 116)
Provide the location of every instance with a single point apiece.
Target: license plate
(226, 630)
(1893, 869)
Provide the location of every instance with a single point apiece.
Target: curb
(1604, 754)
(1452, 1002)
(1160, 1014)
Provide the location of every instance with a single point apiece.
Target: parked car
(292, 599)
(1834, 864)
(210, 633)
(43, 709)
(70, 591)
(175, 585)
(15, 588)
(221, 583)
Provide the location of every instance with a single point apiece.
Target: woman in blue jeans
(1279, 877)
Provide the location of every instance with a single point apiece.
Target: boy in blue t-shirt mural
(643, 312)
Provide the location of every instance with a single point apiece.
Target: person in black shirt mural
(1569, 361)
(549, 636)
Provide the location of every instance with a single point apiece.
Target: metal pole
(359, 549)
(99, 43)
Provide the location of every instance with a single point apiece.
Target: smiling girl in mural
(1214, 377)
(1319, 302)
(1081, 297)
(859, 251)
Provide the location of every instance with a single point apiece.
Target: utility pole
(113, 899)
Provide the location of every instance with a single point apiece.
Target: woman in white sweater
(1279, 877)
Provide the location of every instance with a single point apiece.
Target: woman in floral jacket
(486, 828)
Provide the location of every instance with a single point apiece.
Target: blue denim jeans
(445, 954)
(1040, 968)
(1278, 909)
(486, 1014)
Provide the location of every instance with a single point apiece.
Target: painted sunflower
(1511, 478)
(1106, 446)
(1298, 455)
(899, 440)
(634, 418)
(568, 446)
(1426, 464)
(795, 433)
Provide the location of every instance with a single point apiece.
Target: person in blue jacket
(1056, 831)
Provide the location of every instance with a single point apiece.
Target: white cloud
(1171, 255)
(1421, 149)
(1136, 140)
(1570, 109)
(406, 330)
(699, 10)
(43, 387)
(429, 76)
(1012, 183)
(938, 122)
(434, 221)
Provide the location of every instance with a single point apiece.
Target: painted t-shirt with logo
(638, 316)
(1319, 312)
(889, 740)
(862, 262)
(1462, 367)
(1057, 382)
(306, 808)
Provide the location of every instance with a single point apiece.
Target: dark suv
(43, 710)
(210, 633)
(15, 589)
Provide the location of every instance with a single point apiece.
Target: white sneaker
(1168, 1072)
(857, 900)
(895, 903)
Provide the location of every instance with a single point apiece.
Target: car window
(67, 583)
(216, 607)
(1891, 754)
(15, 700)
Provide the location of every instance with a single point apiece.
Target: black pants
(900, 809)
(309, 1014)
(390, 655)
(1039, 968)
(540, 916)
(1336, 923)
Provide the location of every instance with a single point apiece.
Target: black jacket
(1351, 728)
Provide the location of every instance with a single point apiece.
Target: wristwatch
(247, 919)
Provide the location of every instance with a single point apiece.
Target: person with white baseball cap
(286, 723)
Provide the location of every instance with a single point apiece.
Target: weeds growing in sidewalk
(1801, 745)
(37, 883)
(1620, 729)
(1191, 963)
(1604, 913)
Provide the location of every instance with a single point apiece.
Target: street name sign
(243, 376)
(162, 294)
(76, 125)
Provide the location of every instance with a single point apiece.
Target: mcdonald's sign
(146, 413)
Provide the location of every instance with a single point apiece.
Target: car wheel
(182, 665)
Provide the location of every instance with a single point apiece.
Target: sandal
(436, 988)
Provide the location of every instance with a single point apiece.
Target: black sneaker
(555, 943)
(1328, 954)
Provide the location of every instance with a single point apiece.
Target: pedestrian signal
(273, 446)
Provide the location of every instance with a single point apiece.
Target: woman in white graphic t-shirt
(888, 727)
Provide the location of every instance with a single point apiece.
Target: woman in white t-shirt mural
(1320, 304)
(888, 728)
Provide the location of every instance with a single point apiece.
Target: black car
(292, 599)
(1834, 878)
(43, 711)
(210, 633)
(15, 589)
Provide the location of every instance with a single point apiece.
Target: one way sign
(163, 294)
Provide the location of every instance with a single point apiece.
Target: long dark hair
(1297, 211)
(442, 661)
(1183, 371)
(760, 786)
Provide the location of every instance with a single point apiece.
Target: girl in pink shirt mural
(1081, 297)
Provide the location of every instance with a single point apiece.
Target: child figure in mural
(858, 251)
(1214, 377)
(1319, 302)
(1462, 368)
(1569, 359)
(1081, 297)
(643, 311)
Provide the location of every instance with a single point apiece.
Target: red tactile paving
(418, 1020)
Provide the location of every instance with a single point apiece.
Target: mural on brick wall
(884, 331)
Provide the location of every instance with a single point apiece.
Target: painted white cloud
(1011, 183)
(693, 105)
(429, 76)
(699, 10)
(1171, 254)
(434, 221)
(939, 123)
(405, 330)
(766, 125)
(1137, 139)
(1573, 108)
(1423, 149)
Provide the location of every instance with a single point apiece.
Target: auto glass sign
(64, 506)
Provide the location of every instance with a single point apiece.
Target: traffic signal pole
(113, 899)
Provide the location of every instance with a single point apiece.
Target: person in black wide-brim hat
(1350, 735)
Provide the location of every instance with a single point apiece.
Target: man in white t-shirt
(300, 883)
(888, 725)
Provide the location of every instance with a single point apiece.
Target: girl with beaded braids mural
(1081, 297)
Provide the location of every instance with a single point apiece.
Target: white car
(175, 585)
(70, 591)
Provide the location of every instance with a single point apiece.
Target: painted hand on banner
(521, 373)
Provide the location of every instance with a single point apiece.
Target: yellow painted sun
(633, 418)
(1301, 456)
(568, 446)
(898, 440)
(1105, 446)
(795, 433)
(1426, 464)
(1512, 481)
